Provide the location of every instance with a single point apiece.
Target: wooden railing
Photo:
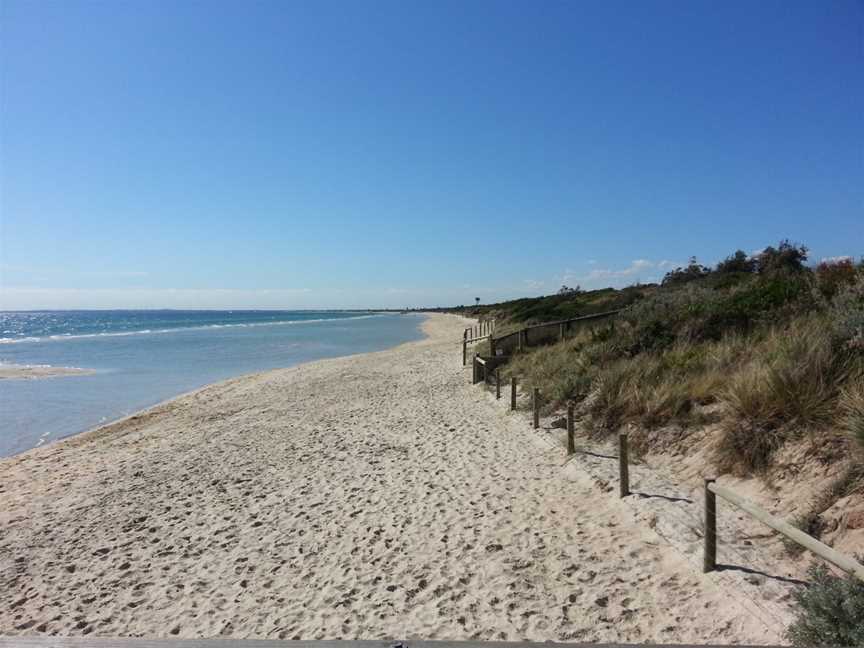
(712, 490)
(481, 331)
(545, 333)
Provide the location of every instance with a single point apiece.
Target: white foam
(69, 336)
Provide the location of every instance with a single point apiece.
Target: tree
(787, 256)
(693, 271)
(567, 290)
(477, 299)
(738, 262)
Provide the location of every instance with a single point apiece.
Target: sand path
(367, 497)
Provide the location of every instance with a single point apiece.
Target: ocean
(140, 358)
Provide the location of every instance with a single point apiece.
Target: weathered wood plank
(822, 550)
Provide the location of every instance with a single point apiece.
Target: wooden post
(491, 345)
(464, 351)
(497, 383)
(519, 337)
(512, 392)
(561, 332)
(623, 465)
(536, 407)
(710, 531)
(571, 442)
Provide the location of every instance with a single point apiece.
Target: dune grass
(769, 355)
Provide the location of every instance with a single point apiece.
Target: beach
(372, 496)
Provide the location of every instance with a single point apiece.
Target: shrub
(786, 257)
(608, 400)
(847, 314)
(833, 275)
(748, 436)
(693, 271)
(852, 409)
(748, 304)
(830, 611)
(560, 371)
(736, 263)
(790, 384)
(655, 322)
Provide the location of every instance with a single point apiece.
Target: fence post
(464, 351)
(623, 465)
(561, 332)
(512, 392)
(571, 442)
(710, 563)
(519, 338)
(497, 383)
(491, 345)
(536, 407)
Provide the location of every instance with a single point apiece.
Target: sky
(354, 153)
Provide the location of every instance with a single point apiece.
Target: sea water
(140, 358)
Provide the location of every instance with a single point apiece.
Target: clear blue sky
(339, 154)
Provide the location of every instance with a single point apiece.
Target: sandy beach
(365, 497)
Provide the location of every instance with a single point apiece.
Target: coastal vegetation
(767, 347)
(764, 350)
(830, 611)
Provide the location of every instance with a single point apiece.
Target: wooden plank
(512, 392)
(822, 550)
(571, 440)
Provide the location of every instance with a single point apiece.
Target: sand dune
(364, 497)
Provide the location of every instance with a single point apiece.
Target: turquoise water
(143, 357)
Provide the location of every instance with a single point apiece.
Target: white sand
(32, 372)
(371, 496)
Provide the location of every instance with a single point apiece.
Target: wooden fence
(481, 331)
(540, 334)
(712, 490)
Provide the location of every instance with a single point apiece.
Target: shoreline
(40, 372)
(368, 496)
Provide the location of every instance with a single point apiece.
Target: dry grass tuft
(852, 409)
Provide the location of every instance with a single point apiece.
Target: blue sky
(341, 154)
